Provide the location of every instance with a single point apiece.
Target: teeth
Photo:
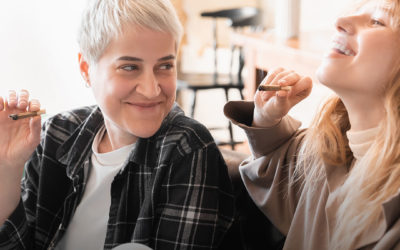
(342, 48)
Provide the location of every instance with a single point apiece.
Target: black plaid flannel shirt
(173, 193)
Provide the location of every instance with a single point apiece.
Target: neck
(364, 112)
(114, 138)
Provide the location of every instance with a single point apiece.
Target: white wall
(314, 14)
(39, 52)
(321, 14)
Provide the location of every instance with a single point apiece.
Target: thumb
(35, 127)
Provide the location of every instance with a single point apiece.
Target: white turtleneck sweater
(360, 141)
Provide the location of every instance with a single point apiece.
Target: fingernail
(282, 81)
(22, 102)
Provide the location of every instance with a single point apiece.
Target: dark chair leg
(193, 103)
(232, 142)
(241, 94)
(241, 66)
(226, 94)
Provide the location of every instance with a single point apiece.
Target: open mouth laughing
(343, 48)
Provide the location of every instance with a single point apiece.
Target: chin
(145, 131)
(326, 76)
(320, 74)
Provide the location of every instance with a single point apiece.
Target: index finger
(23, 97)
(12, 99)
(290, 79)
(302, 89)
(34, 105)
(271, 76)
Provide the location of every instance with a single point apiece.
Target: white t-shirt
(88, 226)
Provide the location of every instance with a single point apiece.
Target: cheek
(108, 91)
(169, 88)
(379, 51)
(379, 65)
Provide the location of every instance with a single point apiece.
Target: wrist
(264, 121)
(10, 182)
(10, 194)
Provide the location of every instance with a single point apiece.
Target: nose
(148, 85)
(346, 24)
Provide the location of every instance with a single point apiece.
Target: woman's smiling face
(134, 81)
(364, 51)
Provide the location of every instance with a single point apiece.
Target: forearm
(262, 140)
(272, 183)
(10, 190)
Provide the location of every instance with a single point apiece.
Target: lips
(144, 104)
(342, 47)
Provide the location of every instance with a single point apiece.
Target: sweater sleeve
(269, 174)
(391, 238)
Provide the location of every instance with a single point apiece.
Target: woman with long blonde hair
(336, 184)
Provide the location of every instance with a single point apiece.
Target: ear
(84, 68)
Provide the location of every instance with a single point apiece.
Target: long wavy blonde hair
(374, 178)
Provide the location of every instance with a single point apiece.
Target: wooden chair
(239, 18)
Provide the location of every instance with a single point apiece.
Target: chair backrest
(239, 18)
(253, 21)
(233, 14)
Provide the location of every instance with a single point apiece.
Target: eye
(166, 66)
(129, 67)
(377, 22)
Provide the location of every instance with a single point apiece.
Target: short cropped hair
(103, 20)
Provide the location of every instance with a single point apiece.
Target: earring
(87, 85)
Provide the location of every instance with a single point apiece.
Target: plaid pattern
(173, 193)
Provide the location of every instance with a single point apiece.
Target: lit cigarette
(27, 114)
(273, 88)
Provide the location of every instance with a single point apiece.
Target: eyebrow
(136, 59)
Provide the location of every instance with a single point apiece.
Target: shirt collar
(74, 151)
(151, 145)
(77, 147)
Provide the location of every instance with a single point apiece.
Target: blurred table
(264, 51)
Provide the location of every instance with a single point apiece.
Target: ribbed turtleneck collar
(360, 141)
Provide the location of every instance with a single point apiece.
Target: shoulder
(75, 116)
(185, 132)
(66, 122)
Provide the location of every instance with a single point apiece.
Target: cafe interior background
(39, 50)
